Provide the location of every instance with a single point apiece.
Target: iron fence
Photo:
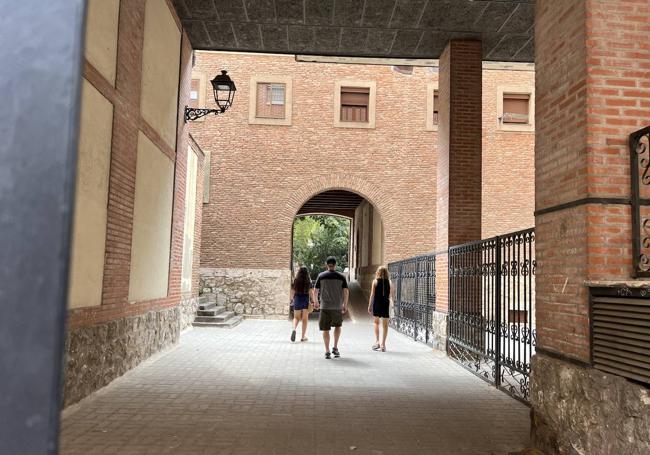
(415, 296)
(491, 321)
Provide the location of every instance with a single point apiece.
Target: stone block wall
(252, 293)
(578, 410)
(97, 354)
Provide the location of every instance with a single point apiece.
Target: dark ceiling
(338, 202)
(360, 28)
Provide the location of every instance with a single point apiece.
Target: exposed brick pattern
(262, 174)
(459, 147)
(593, 67)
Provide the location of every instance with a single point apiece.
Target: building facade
(299, 129)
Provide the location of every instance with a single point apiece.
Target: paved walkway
(248, 390)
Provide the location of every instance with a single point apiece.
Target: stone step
(206, 306)
(211, 311)
(218, 318)
(231, 322)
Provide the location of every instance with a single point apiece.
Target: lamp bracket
(192, 113)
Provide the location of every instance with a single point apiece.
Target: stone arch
(380, 199)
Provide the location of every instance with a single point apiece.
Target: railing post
(497, 331)
(416, 301)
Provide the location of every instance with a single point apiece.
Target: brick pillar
(459, 153)
(459, 143)
(592, 88)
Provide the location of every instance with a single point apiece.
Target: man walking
(334, 293)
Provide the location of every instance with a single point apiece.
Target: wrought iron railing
(415, 296)
(640, 199)
(491, 321)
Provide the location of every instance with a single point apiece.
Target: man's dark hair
(331, 260)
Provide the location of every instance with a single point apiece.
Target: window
(432, 107)
(354, 104)
(515, 109)
(270, 100)
(195, 88)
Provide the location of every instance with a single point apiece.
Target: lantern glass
(224, 90)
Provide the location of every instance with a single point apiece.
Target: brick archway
(379, 199)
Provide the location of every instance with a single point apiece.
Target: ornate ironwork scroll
(415, 296)
(491, 324)
(640, 179)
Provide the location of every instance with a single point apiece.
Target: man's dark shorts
(329, 319)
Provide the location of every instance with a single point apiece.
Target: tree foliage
(316, 237)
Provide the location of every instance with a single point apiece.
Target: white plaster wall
(91, 199)
(102, 20)
(160, 63)
(190, 215)
(152, 222)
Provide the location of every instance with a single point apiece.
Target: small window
(355, 102)
(270, 100)
(516, 108)
(435, 107)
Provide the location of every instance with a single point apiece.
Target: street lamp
(224, 93)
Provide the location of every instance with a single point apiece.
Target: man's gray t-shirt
(330, 285)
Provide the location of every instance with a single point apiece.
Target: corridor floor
(249, 390)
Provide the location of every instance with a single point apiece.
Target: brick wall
(262, 174)
(127, 121)
(593, 67)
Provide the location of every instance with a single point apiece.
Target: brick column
(459, 143)
(459, 152)
(592, 64)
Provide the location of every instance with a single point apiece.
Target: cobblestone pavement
(249, 390)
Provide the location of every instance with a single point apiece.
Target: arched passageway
(365, 250)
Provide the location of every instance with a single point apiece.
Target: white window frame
(372, 100)
(272, 90)
(288, 100)
(516, 90)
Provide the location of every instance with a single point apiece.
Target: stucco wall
(101, 36)
(152, 218)
(89, 228)
(160, 60)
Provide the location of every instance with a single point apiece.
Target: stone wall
(252, 293)
(570, 401)
(97, 354)
(187, 311)
(439, 323)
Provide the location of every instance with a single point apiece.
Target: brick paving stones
(249, 390)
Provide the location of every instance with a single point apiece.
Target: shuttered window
(621, 336)
(270, 100)
(354, 104)
(516, 108)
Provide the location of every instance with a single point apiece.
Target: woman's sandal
(304, 339)
(383, 349)
(376, 347)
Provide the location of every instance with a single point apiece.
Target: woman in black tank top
(379, 305)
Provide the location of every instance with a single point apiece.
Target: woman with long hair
(379, 305)
(300, 295)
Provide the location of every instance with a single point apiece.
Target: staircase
(210, 314)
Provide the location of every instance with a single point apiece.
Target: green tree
(317, 237)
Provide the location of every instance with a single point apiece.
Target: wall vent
(621, 336)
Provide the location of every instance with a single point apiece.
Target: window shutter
(354, 104)
(516, 108)
(270, 100)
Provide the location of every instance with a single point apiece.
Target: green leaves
(316, 237)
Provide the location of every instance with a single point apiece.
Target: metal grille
(415, 296)
(640, 180)
(491, 323)
(621, 334)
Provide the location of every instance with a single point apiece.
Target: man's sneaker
(328, 355)
(293, 335)
(336, 352)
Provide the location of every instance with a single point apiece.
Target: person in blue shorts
(300, 292)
